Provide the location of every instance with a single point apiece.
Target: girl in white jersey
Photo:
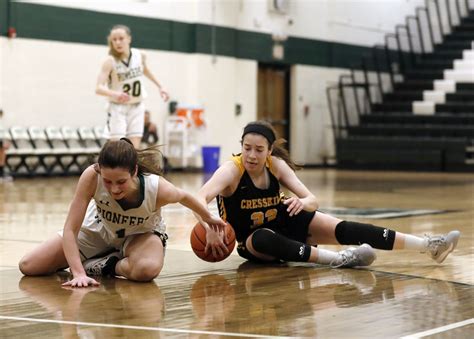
(121, 80)
(114, 224)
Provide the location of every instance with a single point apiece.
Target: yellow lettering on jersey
(247, 204)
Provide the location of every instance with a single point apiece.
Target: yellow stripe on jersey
(237, 159)
(222, 210)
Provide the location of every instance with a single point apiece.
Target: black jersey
(249, 207)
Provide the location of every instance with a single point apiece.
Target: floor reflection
(115, 301)
(289, 300)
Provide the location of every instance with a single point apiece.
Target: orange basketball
(198, 242)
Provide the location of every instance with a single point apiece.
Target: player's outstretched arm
(168, 194)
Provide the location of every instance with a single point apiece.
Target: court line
(439, 329)
(143, 328)
(411, 275)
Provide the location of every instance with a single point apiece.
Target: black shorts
(294, 228)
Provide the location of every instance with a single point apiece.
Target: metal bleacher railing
(386, 66)
(416, 89)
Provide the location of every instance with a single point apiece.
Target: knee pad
(356, 233)
(276, 245)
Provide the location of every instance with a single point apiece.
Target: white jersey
(105, 216)
(128, 77)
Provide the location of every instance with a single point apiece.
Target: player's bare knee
(146, 270)
(22, 266)
(26, 267)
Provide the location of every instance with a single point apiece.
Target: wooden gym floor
(403, 294)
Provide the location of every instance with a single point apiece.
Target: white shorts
(124, 120)
(92, 244)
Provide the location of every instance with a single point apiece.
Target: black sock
(109, 267)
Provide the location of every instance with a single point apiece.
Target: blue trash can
(210, 158)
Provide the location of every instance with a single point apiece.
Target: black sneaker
(103, 265)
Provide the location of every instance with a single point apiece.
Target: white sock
(325, 257)
(413, 242)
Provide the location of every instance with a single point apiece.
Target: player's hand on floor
(81, 281)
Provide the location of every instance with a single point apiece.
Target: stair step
(457, 131)
(468, 19)
(434, 64)
(424, 74)
(465, 107)
(410, 118)
(444, 55)
(403, 96)
(454, 44)
(392, 107)
(402, 152)
(459, 36)
(464, 86)
(467, 65)
(464, 27)
(460, 96)
(414, 85)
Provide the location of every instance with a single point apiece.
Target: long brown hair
(112, 51)
(278, 146)
(122, 154)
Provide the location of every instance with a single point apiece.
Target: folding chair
(64, 156)
(47, 160)
(22, 158)
(84, 155)
(88, 138)
(99, 135)
(5, 139)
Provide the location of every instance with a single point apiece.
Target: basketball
(198, 242)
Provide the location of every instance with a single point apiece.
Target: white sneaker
(102, 265)
(351, 257)
(440, 246)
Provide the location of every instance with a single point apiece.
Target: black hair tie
(127, 140)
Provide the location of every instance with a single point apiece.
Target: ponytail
(122, 154)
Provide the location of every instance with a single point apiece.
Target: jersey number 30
(136, 89)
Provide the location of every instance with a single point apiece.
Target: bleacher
(37, 151)
(421, 115)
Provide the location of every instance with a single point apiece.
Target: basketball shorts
(295, 228)
(124, 120)
(92, 244)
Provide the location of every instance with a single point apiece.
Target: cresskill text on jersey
(247, 204)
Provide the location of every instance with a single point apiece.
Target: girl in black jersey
(271, 227)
